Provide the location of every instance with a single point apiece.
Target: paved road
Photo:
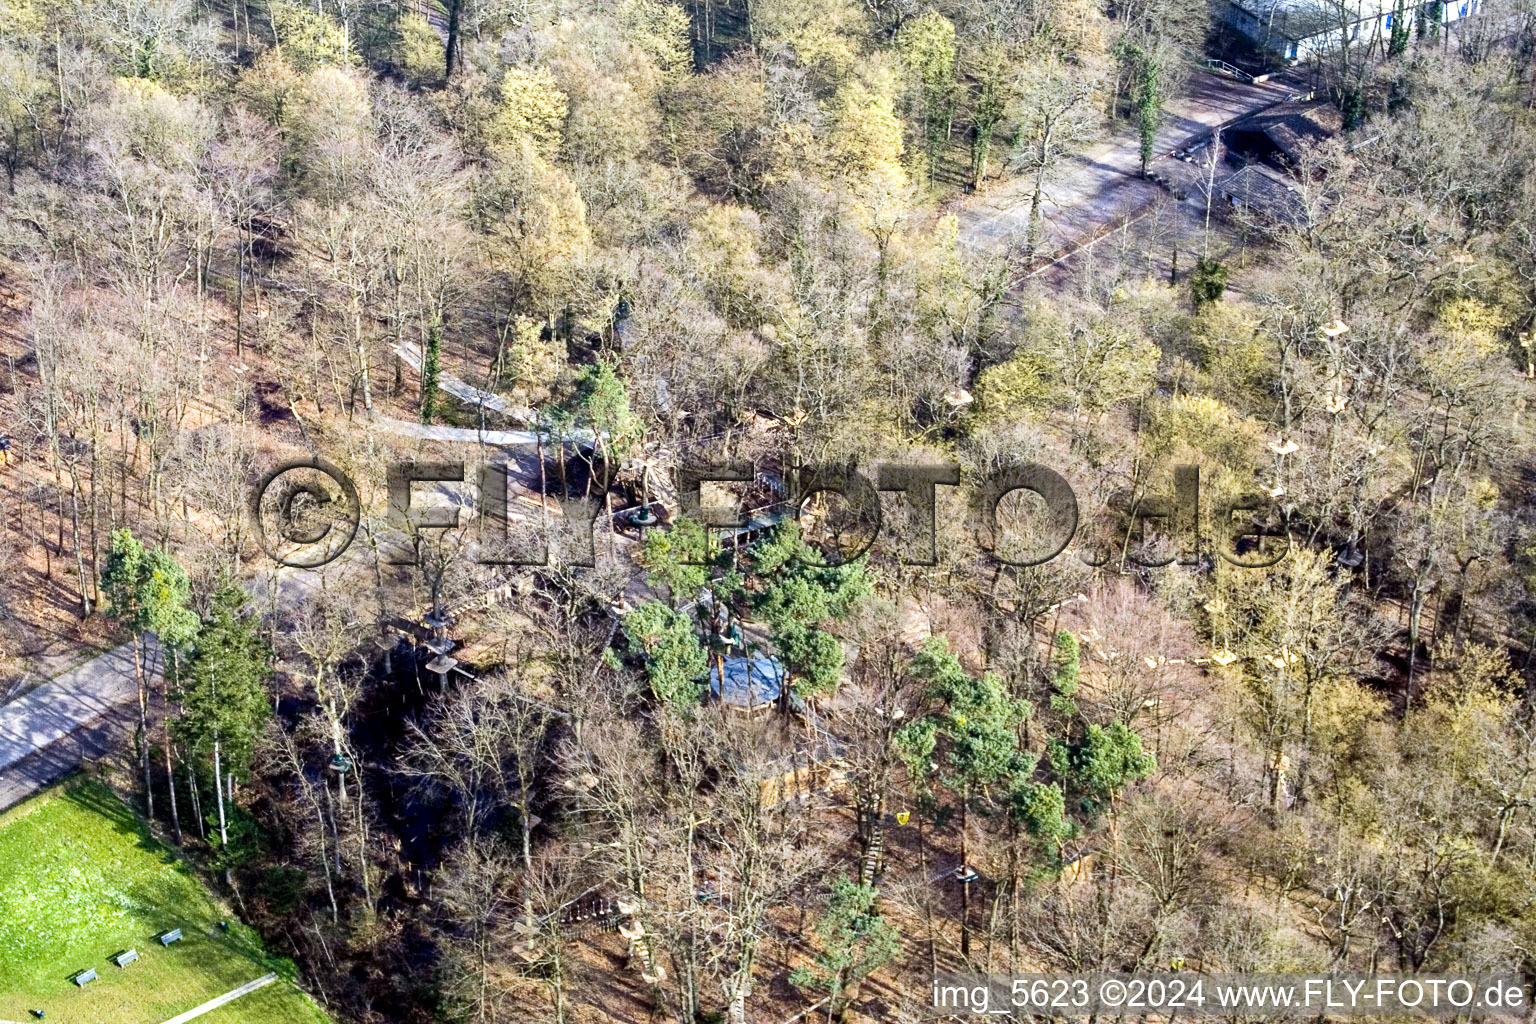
(42, 768)
(228, 997)
(1103, 184)
(463, 391)
(45, 734)
(467, 393)
(433, 432)
(76, 699)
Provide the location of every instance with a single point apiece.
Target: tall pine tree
(431, 369)
(224, 698)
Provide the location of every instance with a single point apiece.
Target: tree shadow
(182, 901)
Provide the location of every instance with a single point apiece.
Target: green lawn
(81, 878)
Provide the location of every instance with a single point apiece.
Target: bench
(126, 957)
(85, 976)
(166, 938)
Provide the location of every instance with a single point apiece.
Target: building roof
(1292, 126)
(1266, 194)
(1301, 19)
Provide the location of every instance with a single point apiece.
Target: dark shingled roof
(1292, 125)
(1265, 194)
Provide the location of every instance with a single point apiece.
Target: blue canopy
(748, 681)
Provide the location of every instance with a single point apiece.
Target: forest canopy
(699, 764)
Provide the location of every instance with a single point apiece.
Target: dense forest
(1283, 725)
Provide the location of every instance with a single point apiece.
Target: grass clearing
(81, 879)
